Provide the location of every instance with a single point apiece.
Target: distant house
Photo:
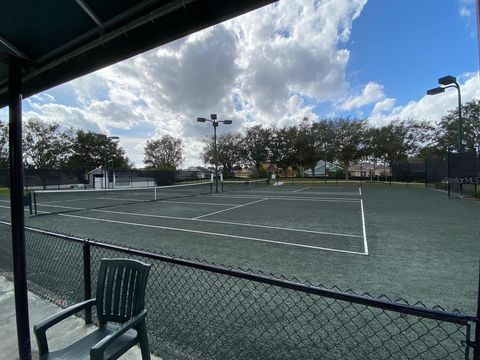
(320, 169)
(96, 178)
(367, 169)
(243, 173)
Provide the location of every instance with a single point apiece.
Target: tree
(282, 147)
(349, 141)
(309, 145)
(228, 147)
(164, 152)
(447, 135)
(256, 146)
(4, 145)
(46, 144)
(400, 140)
(91, 150)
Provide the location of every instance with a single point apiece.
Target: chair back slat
(116, 293)
(124, 293)
(121, 289)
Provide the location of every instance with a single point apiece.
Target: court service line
(232, 208)
(360, 191)
(213, 234)
(289, 198)
(338, 193)
(167, 201)
(301, 189)
(228, 223)
(365, 244)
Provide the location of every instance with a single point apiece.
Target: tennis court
(405, 242)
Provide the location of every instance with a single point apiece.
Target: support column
(17, 214)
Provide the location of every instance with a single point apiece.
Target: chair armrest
(96, 352)
(41, 328)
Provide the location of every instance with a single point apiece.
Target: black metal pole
(17, 214)
(215, 124)
(460, 121)
(87, 281)
(325, 163)
(460, 127)
(476, 349)
(448, 173)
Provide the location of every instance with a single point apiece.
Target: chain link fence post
(87, 280)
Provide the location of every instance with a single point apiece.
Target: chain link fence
(82, 178)
(198, 310)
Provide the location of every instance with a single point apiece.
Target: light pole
(106, 156)
(449, 82)
(215, 122)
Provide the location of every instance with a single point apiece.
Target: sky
(370, 59)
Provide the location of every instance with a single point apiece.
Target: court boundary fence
(205, 311)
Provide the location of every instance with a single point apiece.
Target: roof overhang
(58, 41)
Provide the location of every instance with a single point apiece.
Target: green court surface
(406, 242)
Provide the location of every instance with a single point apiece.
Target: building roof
(60, 40)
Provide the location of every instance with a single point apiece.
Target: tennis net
(61, 201)
(231, 185)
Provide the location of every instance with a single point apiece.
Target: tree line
(339, 140)
(49, 145)
(344, 141)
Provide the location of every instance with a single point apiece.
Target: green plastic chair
(120, 303)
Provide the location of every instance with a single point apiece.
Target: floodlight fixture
(450, 81)
(215, 122)
(435, 91)
(447, 80)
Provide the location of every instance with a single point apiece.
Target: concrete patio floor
(59, 336)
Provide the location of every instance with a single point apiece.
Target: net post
(30, 205)
(35, 203)
(425, 173)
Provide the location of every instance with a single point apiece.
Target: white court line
(172, 202)
(212, 221)
(339, 193)
(64, 201)
(195, 203)
(232, 208)
(360, 191)
(365, 244)
(213, 234)
(301, 189)
(289, 198)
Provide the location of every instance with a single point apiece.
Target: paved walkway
(60, 335)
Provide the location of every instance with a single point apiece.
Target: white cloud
(371, 93)
(466, 8)
(384, 105)
(271, 66)
(432, 108)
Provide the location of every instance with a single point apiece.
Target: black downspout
(17, 214)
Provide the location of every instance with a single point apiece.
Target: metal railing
(204, 311)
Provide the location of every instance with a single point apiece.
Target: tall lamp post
(106, 156)
(215, 122)
(449, 82)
